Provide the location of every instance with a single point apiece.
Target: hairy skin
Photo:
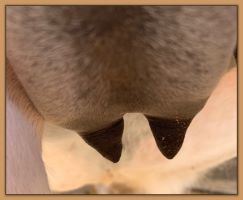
(97, 63)
(84, 67)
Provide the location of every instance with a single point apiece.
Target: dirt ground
(211, 140)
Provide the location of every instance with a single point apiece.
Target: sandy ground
(210, 140)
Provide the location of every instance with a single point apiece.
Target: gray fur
(84, 67)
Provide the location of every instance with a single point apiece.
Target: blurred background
(222, 179)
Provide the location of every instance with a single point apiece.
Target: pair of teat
(168, 133)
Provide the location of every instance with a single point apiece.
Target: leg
(25, 172)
